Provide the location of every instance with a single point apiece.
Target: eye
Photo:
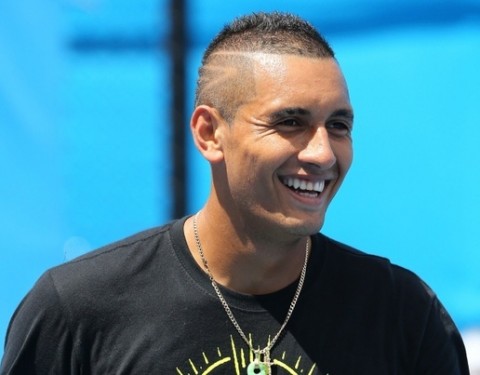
(289, 123)
(339, 128)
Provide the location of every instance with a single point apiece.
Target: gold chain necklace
(258, 366)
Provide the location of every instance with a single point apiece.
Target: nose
(318, 150)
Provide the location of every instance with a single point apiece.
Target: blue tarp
(85, 133)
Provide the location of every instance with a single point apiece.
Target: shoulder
(351, 258)
(69, 299)
(143, 241)
(370, 272)
(412, 312)
(124, 254)
(113, 270)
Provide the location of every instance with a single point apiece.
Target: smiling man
(277, 160)
(247, 285)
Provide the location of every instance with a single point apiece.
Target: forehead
(297, 80)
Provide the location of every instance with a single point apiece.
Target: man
(247, 285)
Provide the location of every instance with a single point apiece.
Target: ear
(207, 125)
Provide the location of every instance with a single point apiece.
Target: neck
(242, 262)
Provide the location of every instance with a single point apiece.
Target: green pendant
(257, 368)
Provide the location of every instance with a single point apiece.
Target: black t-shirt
(143, 306)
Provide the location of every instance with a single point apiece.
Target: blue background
(85, 133)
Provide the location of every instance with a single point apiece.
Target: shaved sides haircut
(226, 75)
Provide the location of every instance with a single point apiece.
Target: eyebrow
(285, 112)
(299, 111)
(347, 113)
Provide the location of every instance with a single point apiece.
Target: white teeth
(297, 183)
(319, 186)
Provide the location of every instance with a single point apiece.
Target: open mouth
(304, 188)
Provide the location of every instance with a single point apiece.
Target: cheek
(249, 174)
(344, 155)
(241, 167)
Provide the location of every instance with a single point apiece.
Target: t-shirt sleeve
(38, 338)
(430, 342)
(442, 351)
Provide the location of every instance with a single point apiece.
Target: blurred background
(95, 97)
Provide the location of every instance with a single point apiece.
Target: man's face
(289, 147)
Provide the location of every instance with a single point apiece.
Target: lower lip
(308, 201)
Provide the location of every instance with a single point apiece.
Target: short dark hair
(275, 32)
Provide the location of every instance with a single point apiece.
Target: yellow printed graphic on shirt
(236, 361)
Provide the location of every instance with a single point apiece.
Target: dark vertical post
(178, 118)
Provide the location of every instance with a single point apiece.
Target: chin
(304, 227)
